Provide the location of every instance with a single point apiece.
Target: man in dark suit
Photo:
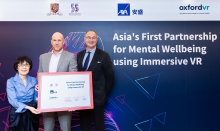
(100, 64)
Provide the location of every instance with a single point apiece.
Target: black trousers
(96, 116)
(26, 121)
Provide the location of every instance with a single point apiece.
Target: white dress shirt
(54, 60)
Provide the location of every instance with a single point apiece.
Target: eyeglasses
(93, 38)
(24, 65)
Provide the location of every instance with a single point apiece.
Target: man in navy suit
(100, 64)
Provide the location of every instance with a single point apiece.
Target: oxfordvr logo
(189, 7)
(124, 9)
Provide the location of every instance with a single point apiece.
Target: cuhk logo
(54, 9)
(124, 9)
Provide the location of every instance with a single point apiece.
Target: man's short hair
(92, 31)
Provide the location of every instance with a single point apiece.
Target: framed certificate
(63, 91)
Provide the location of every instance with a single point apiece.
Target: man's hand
(36, 88)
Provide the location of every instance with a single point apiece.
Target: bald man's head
(57, 34)
(57, 42)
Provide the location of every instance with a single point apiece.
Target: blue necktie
(86, 62)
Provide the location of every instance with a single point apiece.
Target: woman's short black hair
(22, 59)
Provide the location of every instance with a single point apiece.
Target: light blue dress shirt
(90, 58)
(18, 94)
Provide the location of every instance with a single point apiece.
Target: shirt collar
(18, 78)
(59, 52)
(92, 51)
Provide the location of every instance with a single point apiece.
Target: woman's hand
(32, 109)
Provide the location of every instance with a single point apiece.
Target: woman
(22, 97)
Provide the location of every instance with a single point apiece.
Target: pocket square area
(65, 61)
(98, 62)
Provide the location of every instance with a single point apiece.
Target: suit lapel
(63, 54)
(81, 59)
(48, 61)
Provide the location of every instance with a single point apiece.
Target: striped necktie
(86, 62)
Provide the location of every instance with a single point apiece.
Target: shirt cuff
(21, 108)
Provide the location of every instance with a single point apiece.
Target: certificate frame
(55, 89)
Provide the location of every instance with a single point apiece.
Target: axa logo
(190, 7)
(124, 9)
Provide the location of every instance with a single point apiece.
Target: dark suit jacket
(102, 74)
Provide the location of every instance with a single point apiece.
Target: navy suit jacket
(102, 74)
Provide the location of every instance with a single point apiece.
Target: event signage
(61, 91)
(132, 10)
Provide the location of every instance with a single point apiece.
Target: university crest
(54, 9)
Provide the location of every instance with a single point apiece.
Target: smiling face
(23, 68)
(91, 40)
(57, 42)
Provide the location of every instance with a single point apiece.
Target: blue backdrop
(146, 97)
